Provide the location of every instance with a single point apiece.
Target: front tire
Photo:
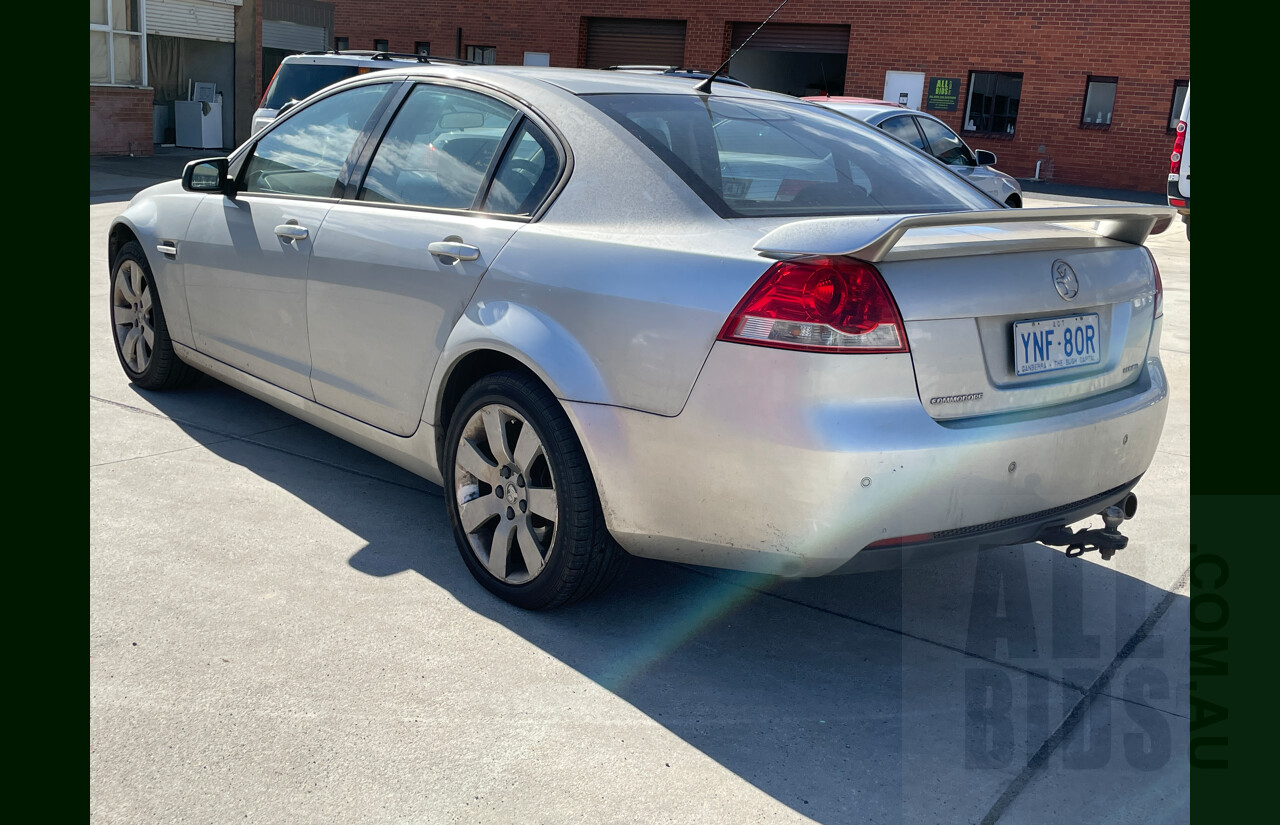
(138, 326)
(521, 498)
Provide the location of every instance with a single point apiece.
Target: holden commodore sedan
(611, 314)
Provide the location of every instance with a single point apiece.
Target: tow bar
(1106, 541)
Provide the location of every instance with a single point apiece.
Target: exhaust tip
(1129, 506)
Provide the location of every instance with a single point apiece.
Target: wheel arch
(120, 234)
(501, 336)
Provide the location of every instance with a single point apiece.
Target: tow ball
(1106, 541)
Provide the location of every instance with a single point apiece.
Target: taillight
(1159, 296)
(819, 305)
(1175, 159)
(266, 91)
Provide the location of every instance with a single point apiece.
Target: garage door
(621, 42)
(198, 19)
(792, 58)
(793, 37)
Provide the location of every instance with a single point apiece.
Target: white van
(1180, 166)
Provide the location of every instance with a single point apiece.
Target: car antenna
(705, 86)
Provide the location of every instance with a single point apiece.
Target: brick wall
(120, 121)
(1055, 44)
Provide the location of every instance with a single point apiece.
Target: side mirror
(985, 158)
(207, 176)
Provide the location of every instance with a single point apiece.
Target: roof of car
(863, 108)
(870, 101)
(590, 81)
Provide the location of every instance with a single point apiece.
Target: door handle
(292, 232)
(453, 250)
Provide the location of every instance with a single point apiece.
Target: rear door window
(526, 173)
(904, 129)
(438, 149)
(945, 145)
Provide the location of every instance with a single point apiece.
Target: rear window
(757, 158)
(296, 81)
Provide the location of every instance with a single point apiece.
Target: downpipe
(1106, 541)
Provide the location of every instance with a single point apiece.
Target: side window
(438, 149)
(945, 145)
(526, 173)
(305, 154)
(904, 129)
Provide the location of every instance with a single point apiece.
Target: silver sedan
(933, 137)
(612, 314)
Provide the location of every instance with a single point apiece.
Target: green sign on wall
(942, 94)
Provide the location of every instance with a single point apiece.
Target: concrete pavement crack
(1041, 757)
(431, 491)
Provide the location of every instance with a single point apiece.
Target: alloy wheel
(132, 316)
(506, 494)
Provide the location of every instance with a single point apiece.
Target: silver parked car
(933, 137)
(611, 314)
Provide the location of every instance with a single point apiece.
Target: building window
(342, 43)
(380, 46)
(116, 43)
(537, 58)
(1175, 108)
(993, 102)
(482, 54)
(423, 48)
(1099, 101)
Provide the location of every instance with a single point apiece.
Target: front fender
(530, 337)
(158, 214)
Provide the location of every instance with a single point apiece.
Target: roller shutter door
(197, 19)
(793, 37)
(620, 42)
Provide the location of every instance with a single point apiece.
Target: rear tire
(138, 327)
(522, 502)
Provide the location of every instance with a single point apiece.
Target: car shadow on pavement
(934, 693)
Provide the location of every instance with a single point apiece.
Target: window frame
(1175, 105)
(915, 124)
(239, 162)
(1101, 80)
(341, 44)
(385, 47)
(395, 101)
(968, 105)
(109, 29)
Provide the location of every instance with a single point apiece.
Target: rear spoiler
(869, 238)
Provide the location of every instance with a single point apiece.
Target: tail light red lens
(1175, 159)
(1159, 296)
(819, 305)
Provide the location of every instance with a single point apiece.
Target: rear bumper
(793, 463)
(1176, 197)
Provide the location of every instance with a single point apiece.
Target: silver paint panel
(247, 286)
(803, 459)
(380, 306)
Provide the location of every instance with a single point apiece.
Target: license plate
(1049, 344)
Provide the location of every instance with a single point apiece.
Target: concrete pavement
(281, 630)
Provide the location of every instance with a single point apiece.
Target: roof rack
(380, 55)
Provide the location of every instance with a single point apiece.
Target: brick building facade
(1136, 53)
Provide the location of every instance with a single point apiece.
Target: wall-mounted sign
(942, 94)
